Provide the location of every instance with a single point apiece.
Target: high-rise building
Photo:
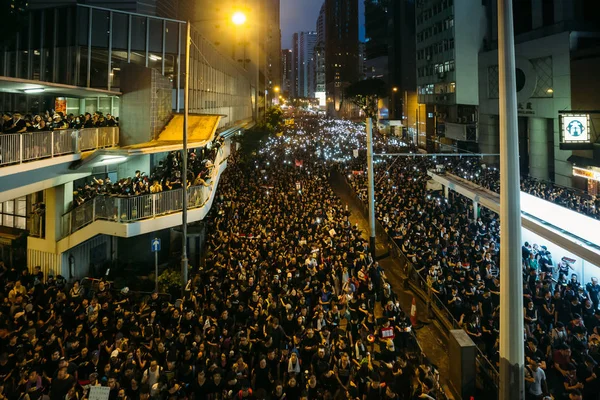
(274, 45)
(318, 66)
(295, 55)
(341, 51)
(447, 56)
(286, 72)
(322, 25)
(306, 48)
(557, 51)
(402, 70)
(362, 61)
(376, 45)
(130, 68)
(251, 44)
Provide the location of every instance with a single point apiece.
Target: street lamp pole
(186, 97)
(511, 297)
(371, 187)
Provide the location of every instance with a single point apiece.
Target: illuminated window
(13, 213)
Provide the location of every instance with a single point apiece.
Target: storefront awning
(583, 161)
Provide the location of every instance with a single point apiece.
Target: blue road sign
(155, 245)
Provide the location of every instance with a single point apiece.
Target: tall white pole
(371, 189)
(186, 97)
(511, 297)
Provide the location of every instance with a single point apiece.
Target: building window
(13, 213)
(545, 77)
(441, 88)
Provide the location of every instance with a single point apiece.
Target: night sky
(301, 15)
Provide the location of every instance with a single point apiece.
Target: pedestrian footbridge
(125, 217)
(133, 216)
(34, 161)
(565, 232)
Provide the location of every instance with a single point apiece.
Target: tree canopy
(365, 94)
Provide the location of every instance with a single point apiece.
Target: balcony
(132, 216)
(19, 148)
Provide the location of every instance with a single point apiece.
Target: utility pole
(512, 385)
(371, 182)
(186, 97)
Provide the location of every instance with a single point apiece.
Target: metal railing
(17, 148)
(137, 208)
(487, 373)
(35, 225)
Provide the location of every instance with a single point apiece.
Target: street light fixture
(238, 18)
(395, 89)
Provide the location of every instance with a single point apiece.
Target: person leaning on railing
(59, 123)
(39, 124)
(15, 125)
(156, 187)
(5, 121)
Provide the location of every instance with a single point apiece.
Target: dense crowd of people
(21, 123)
(288, 306)
(457, 255)
(165, 176)
(473, 169)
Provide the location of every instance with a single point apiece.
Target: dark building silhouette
(341, 52)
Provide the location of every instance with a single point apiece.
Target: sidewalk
(430, 338)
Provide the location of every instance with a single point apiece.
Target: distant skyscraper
(318, 66)
(402, 68)
(270, 13)
(306, 48)
(286, 71)
(362, 59)
(376, 27)
(341, 49)
(321, 25)
(294, 71)
(376, 46)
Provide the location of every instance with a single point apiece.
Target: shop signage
(575, 131)
(586, 173)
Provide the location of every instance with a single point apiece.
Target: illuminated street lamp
(276, 89)
(238, 18)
